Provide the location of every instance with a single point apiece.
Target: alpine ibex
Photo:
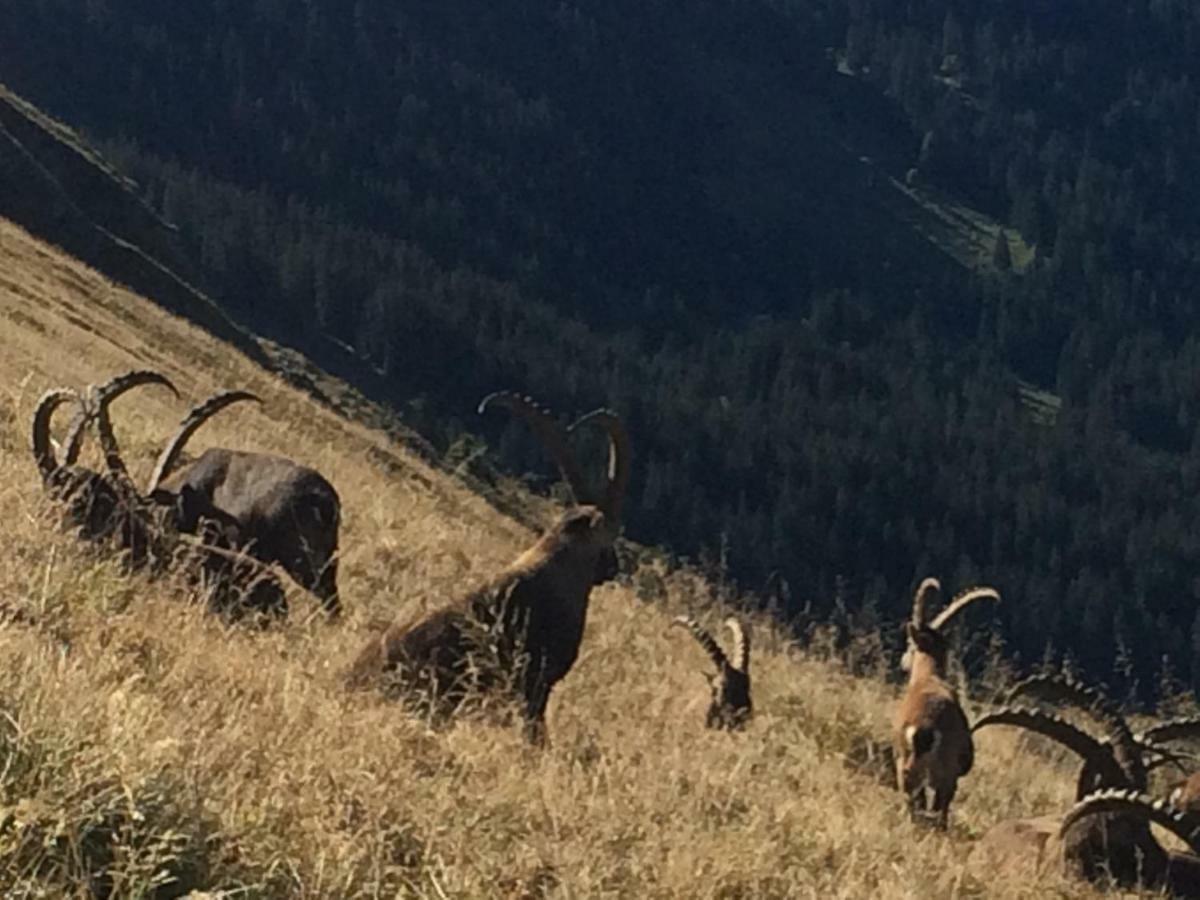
(286, 513)
(96, 505)
(1175, 873)
(187, 531)
(519, 634)
(931, 737)
(1104, 842)
(730, 707)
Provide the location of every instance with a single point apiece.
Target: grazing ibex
(730, 707)
(1175, 873)
(96, 505)
(285, 513)
(520, 633)
(187, 531)
(931, 737)
(1105, 842)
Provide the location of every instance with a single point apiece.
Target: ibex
(1099, 845)
(520, 633)
(187, 531)
(730, 707)
(96, 505)
(286, 513)
(930, 736)
(1172, 872)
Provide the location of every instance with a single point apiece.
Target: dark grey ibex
(730, 706)
(930, 735)
(1102, 841)
(188, 532)
(286, 513)
(519, 634)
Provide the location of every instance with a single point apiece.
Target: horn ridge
(961, 601)
(741, 644)
(704, 638)
(198, 415)
(926, 590)
(619, 459)
(1057, 729)
(43, 450)
(1172, 730)
(552, 436)
(106, 394)
(1183, 825)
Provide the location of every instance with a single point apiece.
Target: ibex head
(731, 706)
(928, 639)
(605, 503)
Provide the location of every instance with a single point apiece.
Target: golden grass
(163, 751)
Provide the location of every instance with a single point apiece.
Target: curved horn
(548, 431)
(1061, 689)
(704, 639)
(926, 590)
(1183, 825)
(741, 644)
(1078, 742)
(960, 602)
(1172, 730)
(194, 419)
(43, 449)
(106, 394)
(619, 460)
(1166, 757)
(76, 429)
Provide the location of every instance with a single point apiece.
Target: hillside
(703, 216)
(186, 755)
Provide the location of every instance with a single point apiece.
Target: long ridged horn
(43, 449)
(1173, 730)
(741, 644)
(960, 602)
(1061, 689)
(194, 419)
(72, 441)
(704, 639)
(1185, 826)
(1057, 729)
(549, 432)
(1166, 757)
(619, 460)
(926, 590)
(106, 394)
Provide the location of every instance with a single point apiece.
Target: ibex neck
(924, 667)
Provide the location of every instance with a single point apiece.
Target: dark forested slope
(699, 213)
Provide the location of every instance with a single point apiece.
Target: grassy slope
(171, 747)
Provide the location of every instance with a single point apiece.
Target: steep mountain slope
(156, 751)
(702, 215)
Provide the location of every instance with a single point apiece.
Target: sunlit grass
(147, 750)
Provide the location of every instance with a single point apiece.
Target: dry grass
(164, 752)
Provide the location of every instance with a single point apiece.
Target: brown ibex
(96, 505)
(185, 530)
(730, 707)
(930, 735)
(286, 513)
(519, 634)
